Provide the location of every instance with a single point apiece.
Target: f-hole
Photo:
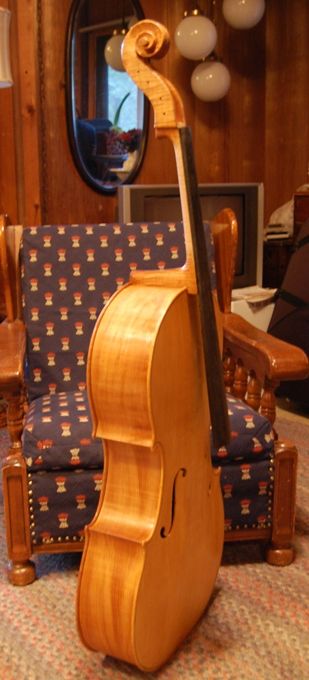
(164, 533)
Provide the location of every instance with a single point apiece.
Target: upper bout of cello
(119, 362)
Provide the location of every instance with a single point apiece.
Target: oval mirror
(107, 114)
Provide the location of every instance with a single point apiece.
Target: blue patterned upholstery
(57, 433)
(68, 274)
(247, 494)
(251, 435)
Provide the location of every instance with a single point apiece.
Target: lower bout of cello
(173, 597)
(153, 551)
(106, 613)
(149, 596)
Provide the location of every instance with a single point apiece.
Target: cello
(155, 385)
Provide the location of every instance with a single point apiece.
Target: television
(155, 202)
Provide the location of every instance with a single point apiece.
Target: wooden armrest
(12, 351)
(267, 355)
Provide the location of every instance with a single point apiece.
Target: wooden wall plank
(27, 114)
(8, 178)
(259, 132)
(287, 101)
(67, 198)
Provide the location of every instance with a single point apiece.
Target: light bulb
(112, 52)
(243, 13)
(195, 37)
(210, 80)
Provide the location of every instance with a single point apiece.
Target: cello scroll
(149, 39)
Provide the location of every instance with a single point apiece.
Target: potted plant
(115, 145)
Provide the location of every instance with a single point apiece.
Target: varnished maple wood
(160, 515)
(150, 39)
(148, 434)
(153, 41)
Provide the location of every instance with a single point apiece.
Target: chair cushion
(58, 434)
(252, 437)
(65, 467)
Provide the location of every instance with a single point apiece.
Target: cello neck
(211, 351)
(145, 40)
(150, 39)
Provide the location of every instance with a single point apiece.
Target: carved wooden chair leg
(268, 402)
(240, 381)
(281, 552)
(253, 391)
(21, 570)
(229, 366)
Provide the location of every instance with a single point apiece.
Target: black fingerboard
(212, 358)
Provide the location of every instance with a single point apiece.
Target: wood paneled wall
(258, 132)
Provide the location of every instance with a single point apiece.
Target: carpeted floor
(256, 627)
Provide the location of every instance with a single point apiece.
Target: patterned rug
(256, 626)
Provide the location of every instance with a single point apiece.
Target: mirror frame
(70, 114)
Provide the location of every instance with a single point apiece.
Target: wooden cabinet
(277, 252)
(275, 261)
(301, 210)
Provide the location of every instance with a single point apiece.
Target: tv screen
(138, 202)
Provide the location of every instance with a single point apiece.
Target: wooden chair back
(224, 231)
(10, 237)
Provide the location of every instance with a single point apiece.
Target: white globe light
(210, 81)
(112, 52)
(243, 13)
(195, 37)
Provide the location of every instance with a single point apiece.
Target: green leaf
(118, 111)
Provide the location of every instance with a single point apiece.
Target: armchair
(56, 280)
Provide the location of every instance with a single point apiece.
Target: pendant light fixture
(243, 14)
(195, 36)
(112, 51)
(210, 80)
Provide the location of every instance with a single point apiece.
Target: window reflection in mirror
(106, 111)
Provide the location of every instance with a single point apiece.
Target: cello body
(153, 549)
(156, 540)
